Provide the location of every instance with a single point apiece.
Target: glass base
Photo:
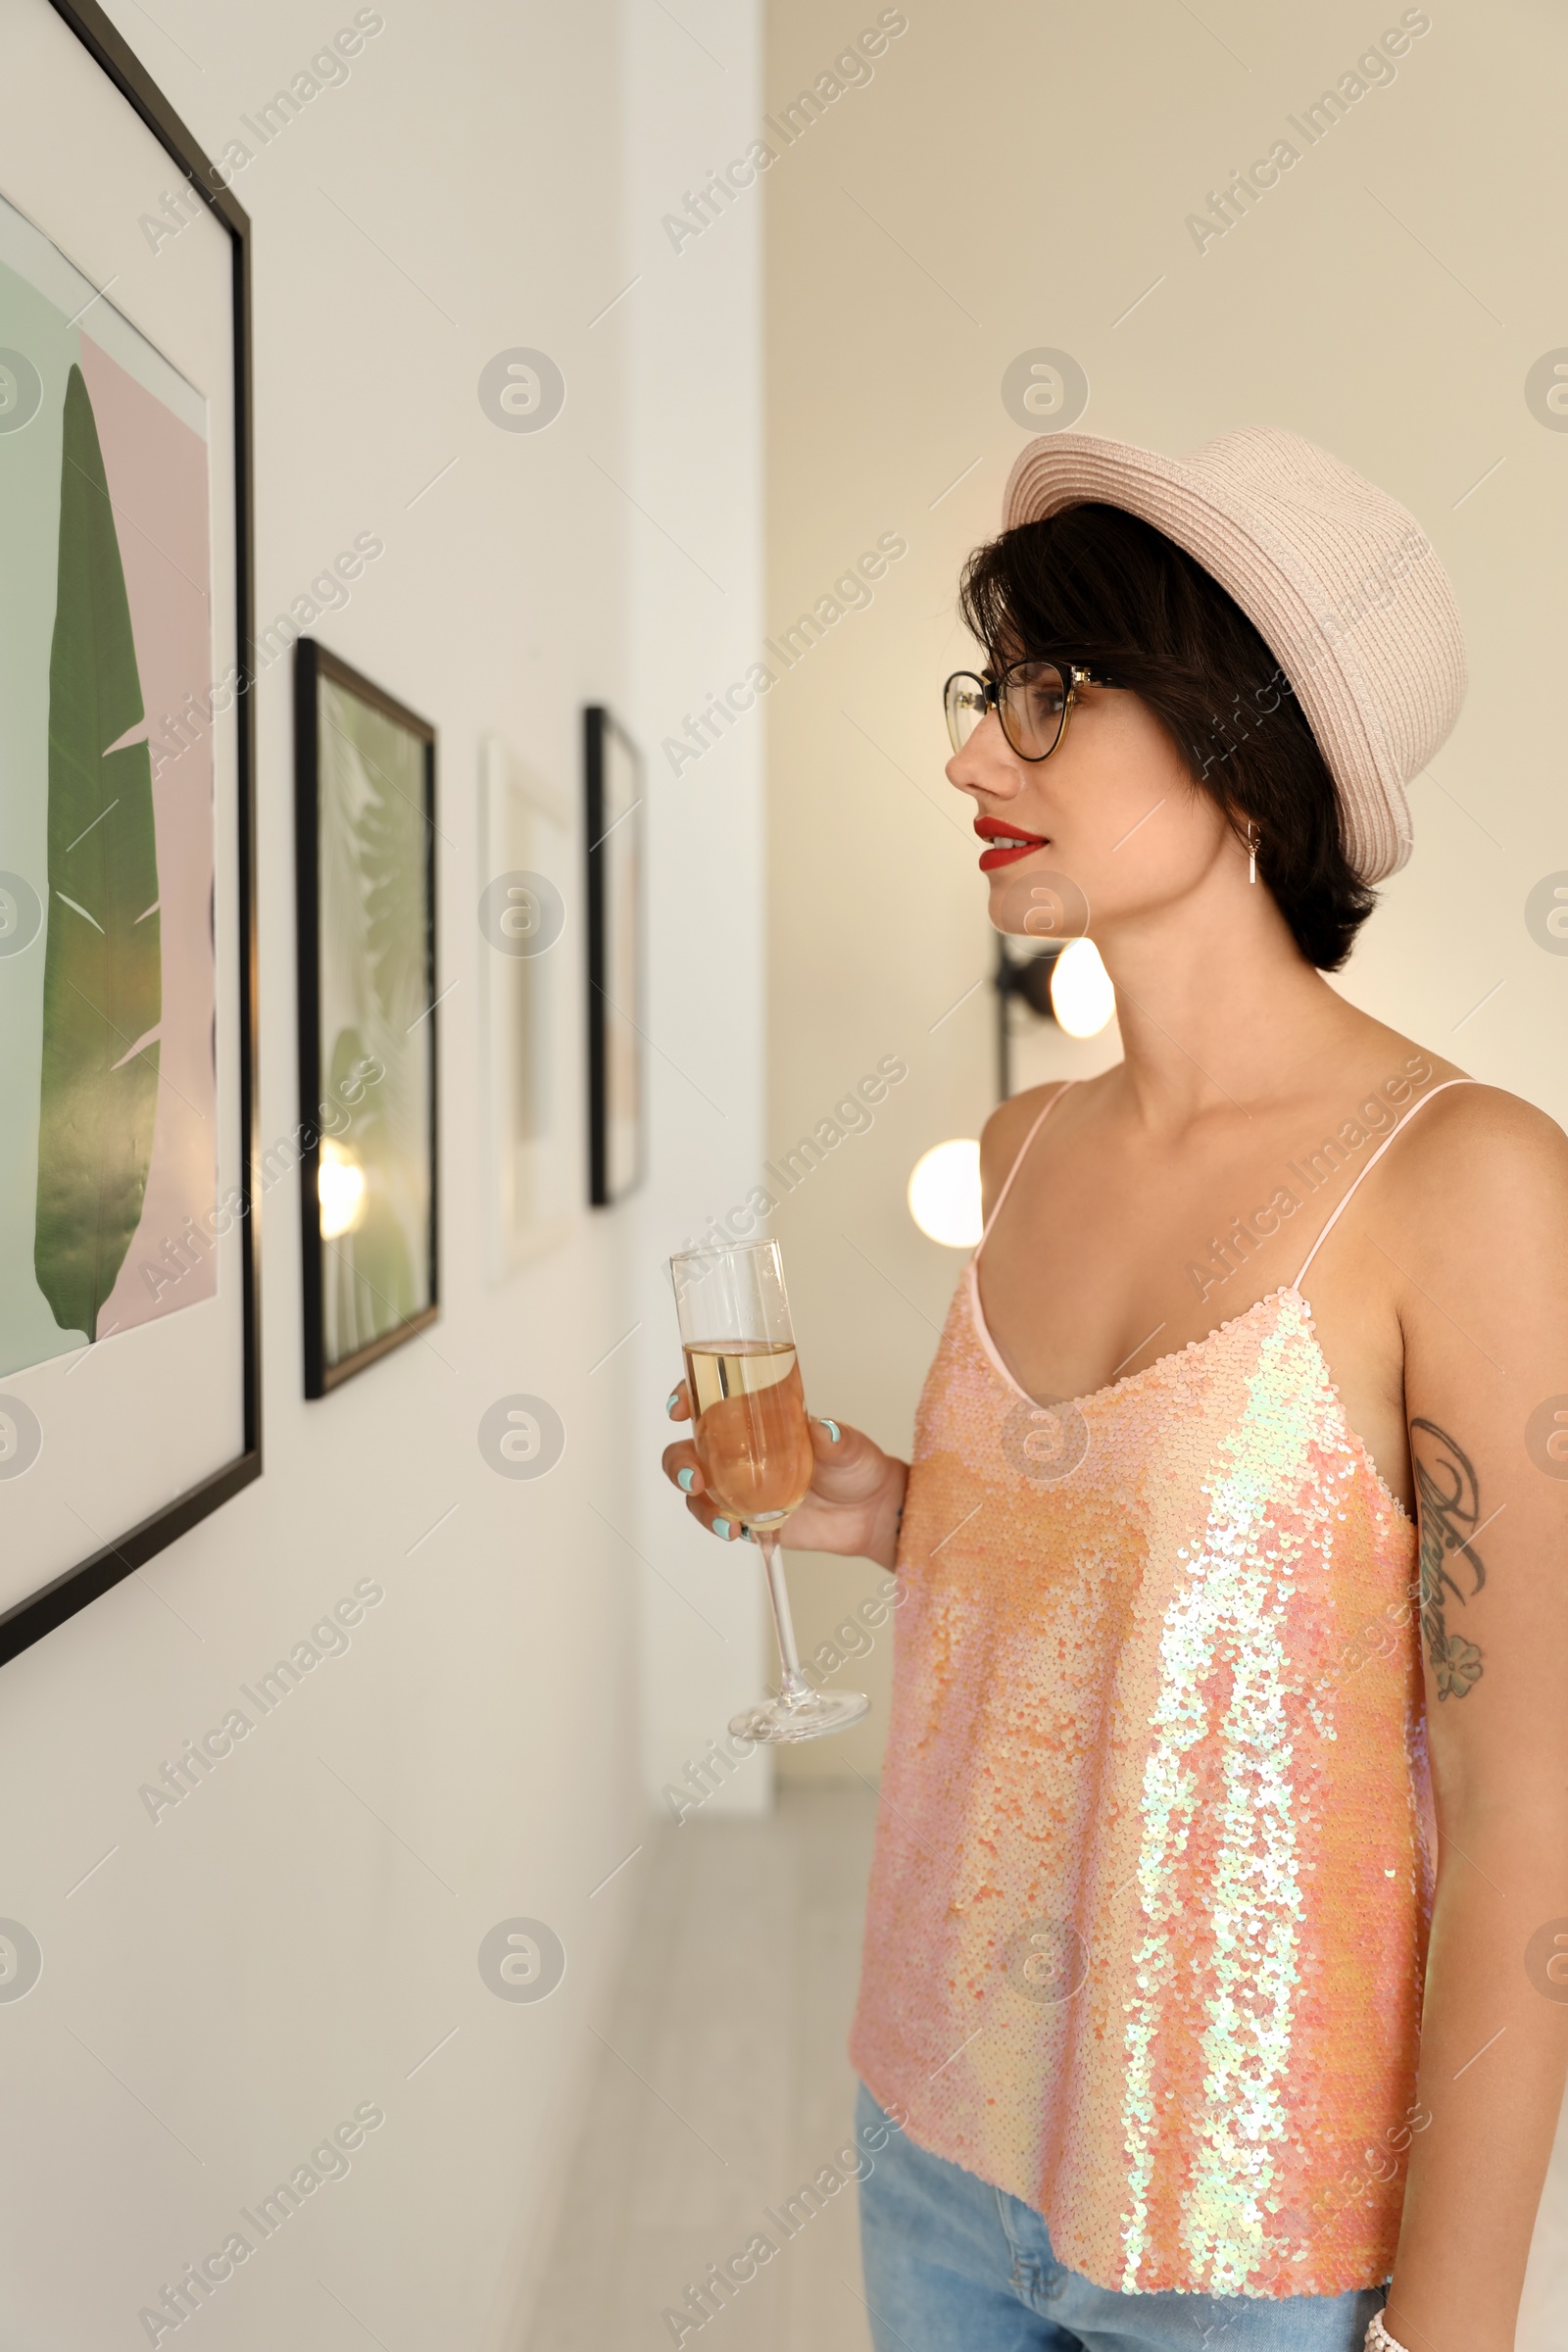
(811, 1715)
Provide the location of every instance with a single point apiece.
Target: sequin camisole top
(1154, 1856)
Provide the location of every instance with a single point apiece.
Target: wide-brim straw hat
(1338, 579)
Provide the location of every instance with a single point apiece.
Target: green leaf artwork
(374, 994)
(372, 1270)
(103, 985)
(391, 845)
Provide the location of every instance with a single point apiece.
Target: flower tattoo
(1450, 1508)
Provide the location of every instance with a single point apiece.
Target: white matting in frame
(528, 1091)
(127, 1332)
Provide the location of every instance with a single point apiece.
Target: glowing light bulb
(945, 1192)
(340, 1189)
(1082, 996)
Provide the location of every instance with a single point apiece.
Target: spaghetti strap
(1370, 1166)
(1006, 1184)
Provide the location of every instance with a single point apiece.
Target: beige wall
(1015, 177)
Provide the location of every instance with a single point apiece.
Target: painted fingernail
(670, 1402)
(721, 1529)
(833, 1430)
(683, 1480)
(746, 1535)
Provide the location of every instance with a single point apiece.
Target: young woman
(1216, 1964)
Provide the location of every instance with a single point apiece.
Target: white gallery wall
(300, 1938)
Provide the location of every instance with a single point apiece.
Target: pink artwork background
(157, 473)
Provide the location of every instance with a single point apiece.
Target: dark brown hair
(1100, 587)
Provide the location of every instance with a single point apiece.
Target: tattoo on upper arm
(1448, 1506)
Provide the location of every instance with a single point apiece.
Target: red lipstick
(1008, 843)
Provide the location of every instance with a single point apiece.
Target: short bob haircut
(1098, 586)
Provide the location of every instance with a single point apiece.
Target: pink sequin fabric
(1155, 1857)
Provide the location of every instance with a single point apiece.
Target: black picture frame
(614, 833)
(29, 1619)
(314, 666)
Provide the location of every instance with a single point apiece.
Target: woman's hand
(856, 1497)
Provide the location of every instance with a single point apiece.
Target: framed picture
(529, 1087)
(616, 1079)
(128, 1344)
(365, 844)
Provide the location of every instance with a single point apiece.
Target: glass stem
(794, 1685)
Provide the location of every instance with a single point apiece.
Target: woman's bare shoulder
(1006, 1132)
(1471, 1120)
(1480, 1155)
(1476, 1110)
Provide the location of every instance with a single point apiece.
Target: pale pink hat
(1337, 577)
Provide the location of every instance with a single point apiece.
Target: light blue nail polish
(833, 1430)
(746, 1535)
(670, 1402)
(721, 1529)
(683, 1480)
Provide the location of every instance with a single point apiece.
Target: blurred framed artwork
(529, 1087)
(364, 846)
(128, 1390)
(612, 795)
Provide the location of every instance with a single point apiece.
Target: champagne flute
(754, 1442)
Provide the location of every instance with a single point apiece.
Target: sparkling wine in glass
(754, 1442)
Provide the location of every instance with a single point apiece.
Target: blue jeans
(955, 2265)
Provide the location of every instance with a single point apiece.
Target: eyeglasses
(1031, 697)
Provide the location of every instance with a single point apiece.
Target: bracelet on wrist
(1377, 2339)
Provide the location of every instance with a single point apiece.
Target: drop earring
(1251, 853)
